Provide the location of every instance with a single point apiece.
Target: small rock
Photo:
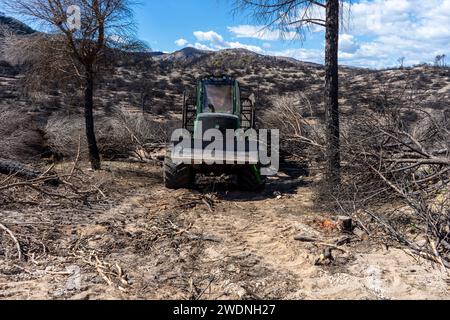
(361, 234)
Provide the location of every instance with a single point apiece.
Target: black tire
(177, 176)
(250, 179)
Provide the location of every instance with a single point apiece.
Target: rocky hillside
(166, 76)
(14, 25)
(155, 82)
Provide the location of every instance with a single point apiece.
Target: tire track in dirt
(264, 229)
(171, 245)
(260, 230)
(246, 246)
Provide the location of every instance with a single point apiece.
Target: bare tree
(439, 61)
(84, 45)
(401, 62)
(298, 16)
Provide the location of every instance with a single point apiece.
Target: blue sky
(375, 34)
(162, 23)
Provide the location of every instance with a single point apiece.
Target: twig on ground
(13, 237)
(77, 158)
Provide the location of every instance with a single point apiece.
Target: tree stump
(345, 224)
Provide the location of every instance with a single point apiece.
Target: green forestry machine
(218, 105)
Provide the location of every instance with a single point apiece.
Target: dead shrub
(395, 166)
(119, 134)
(125, 134)
(21, 138)
(395, 169)
(302, 133)
(64, 132)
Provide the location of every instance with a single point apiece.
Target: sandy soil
(145, 242)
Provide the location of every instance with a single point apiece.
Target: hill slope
(13, 25)
(155, 82)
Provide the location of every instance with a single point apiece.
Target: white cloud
(215, 41)
(117, 38)
(210, 36)
(301, 54)
(200, 46)
(181, 42)
(237, 45)
(348, 43)
(260, 32)
(375, 33)
(388, 29)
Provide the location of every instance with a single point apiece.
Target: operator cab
(219, 104)
(218, 97)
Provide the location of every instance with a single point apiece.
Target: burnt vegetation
(395, 150)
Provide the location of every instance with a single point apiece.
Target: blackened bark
(9, 167)
(94, 155)
(333, 169)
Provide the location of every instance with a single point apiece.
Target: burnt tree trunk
(333, 170)
(8, 167)
(94, 155)
(17, 169)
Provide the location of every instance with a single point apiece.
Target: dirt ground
(142, 241)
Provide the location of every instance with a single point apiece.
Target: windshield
(219, 98)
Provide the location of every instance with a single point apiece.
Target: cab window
(219, 98)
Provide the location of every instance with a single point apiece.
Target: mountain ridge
(15, 26)
(185, 55)
(191, 53)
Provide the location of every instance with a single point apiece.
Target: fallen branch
(77, 158)
(11, 234)
(333, 246)
(18, 169)
(305, 239)
(104, 269)
(320, 242)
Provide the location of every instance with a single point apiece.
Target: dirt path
(265, 230)
(160, 244)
